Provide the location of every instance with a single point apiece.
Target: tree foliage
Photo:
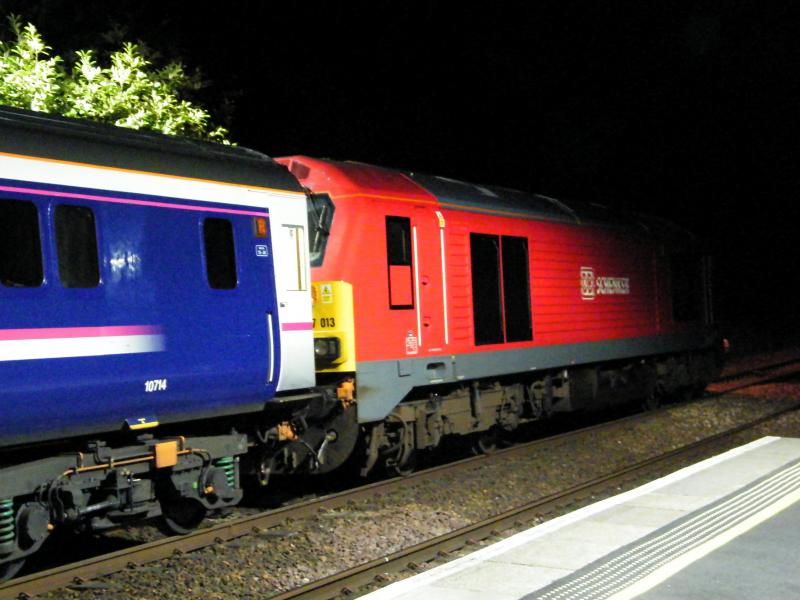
(128, 92)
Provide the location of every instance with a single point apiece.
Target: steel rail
(753, 377)
(346, 583)
(79, 572)
(757, 370)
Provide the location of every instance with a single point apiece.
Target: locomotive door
(430, 274)
(415, 242)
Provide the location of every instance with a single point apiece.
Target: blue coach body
(161, 343)
(146, 336)
(154, 302)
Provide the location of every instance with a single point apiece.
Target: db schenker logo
(587, 283)
(592, 286)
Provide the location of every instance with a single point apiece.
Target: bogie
(487, 412)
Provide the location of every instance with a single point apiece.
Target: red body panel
(442, 321)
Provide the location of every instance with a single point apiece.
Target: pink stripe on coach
(78, 332)
(297, 326)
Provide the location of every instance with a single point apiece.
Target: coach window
(20, 245)
(220, 253)
(76, 245)
(399, 257)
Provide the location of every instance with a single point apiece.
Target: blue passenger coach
(138, 293)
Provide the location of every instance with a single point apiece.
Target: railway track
(346, 583)
(754, 376)
(78, 574)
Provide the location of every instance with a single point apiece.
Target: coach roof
(51, 137)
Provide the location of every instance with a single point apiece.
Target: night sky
(690, 111)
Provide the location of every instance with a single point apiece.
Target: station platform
(726, 527)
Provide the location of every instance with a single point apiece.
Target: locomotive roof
(462, 195)
(52, 137)
(495, 199)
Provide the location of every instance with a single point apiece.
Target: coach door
(294, 303)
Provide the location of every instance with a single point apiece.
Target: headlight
(326, 350)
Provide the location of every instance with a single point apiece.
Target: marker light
(260, 224)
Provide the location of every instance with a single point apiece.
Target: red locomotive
(456, 308)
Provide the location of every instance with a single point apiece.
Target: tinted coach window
(20, 244)
(76, 243)
(220, 253)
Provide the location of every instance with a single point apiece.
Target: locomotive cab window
(20, 245)
(399, 258)
(320, 218)
(76, 246)
(500, 289)
(220, 253)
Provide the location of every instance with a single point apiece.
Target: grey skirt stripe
(629, 564)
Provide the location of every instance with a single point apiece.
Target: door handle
(271, 348)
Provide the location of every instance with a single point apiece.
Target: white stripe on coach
(110, 179)
(81, 346)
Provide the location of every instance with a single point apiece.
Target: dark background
(689, 111)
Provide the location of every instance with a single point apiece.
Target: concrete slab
(679, 502)
(574, 546)
(646, 517)
(443, 593)
(516, 578)
(548, 556)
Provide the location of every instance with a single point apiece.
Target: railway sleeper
(101, 487)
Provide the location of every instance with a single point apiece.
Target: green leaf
(128, 91)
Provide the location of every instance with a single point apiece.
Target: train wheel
(651, 402)
(407, 466)
(11, 568)
(485, 442)
(182, 516)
